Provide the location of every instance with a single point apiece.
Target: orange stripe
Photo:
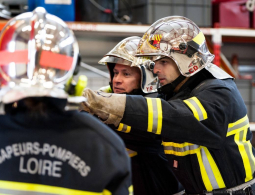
(55, 60)
(48, 59)
(7, 57)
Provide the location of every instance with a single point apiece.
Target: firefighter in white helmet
(200, 114)
(45, 149)
(151, 173)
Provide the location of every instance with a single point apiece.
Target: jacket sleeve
(121, 181)
(201, 119)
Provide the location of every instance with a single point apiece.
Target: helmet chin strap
(170, 87)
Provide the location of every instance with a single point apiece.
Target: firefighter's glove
(109, 107)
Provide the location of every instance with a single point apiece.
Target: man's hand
(109, 107)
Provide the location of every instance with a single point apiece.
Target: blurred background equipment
(231, 13)
(148, 11)
(64, 9)
(13, 7)
(116, 11)
(94, 11)
(4, 13)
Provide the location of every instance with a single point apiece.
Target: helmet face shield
(37, 50)
(180, 39)
(149, 83)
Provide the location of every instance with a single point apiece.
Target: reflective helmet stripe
(199, 39)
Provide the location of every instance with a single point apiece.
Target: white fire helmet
(38, 53)
(124, 53)
(180, 39)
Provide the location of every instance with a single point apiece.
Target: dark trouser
(153, 176)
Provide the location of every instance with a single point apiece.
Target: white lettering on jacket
(42, 166)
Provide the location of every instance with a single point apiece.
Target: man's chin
(162, 83)
(119, 91)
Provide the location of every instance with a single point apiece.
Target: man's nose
(118, 78)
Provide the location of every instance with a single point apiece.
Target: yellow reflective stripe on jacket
(245, 149)
(212, 169)
(131, 153)
(210, 173)
(124, 128)
(131, 190)
(239, 125)
(239, 129)
(106, 192)
(197, 108)
(22, 188)
(180, 149)
(155, 115)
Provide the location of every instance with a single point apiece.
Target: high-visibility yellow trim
(180, 145)
(120, 127)
(160, 117)
(10, 185)
(150, 115)
(205, 177)
(230, 125)
(240, 129)
(128, 129)
(189, 149)
(251, 154)
(215, 169)
(199, 39)
(176, 144)
(131, 190)
(182, 153)
(106, 192)
(201, 107)
(193, 109)
(131, 153)
(197, 108)
(237, 130)
(237, 122)
(244, 155)
(124, 128)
